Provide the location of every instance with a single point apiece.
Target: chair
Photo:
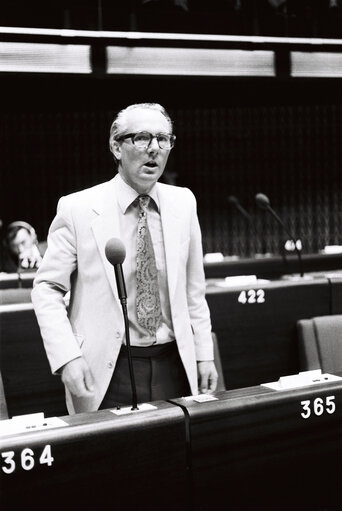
(3, 402)
(320, 343)
(217, 359)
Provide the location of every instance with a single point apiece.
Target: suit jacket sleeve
(197, 304)
(52, 282)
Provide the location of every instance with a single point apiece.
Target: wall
(234, 136)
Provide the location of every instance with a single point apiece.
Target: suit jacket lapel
(171, 224)
(106, 225)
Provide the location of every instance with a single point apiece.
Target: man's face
(23, 241)
(141, 168)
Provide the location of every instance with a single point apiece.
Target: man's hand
(207, 376)
(77, 377)
(30, 258)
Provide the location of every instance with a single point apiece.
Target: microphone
(264, 203)
(115, 253)
(234, 201)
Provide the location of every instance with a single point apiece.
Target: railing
(35, 50)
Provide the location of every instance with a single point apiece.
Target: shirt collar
(127, 195)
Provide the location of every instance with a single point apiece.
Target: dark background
(280, 136)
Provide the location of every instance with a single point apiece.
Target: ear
(117, 149)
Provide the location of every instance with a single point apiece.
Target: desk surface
(252, 448)
(272, 267)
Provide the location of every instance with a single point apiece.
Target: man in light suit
(85, 342)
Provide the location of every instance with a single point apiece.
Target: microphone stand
(115, 253)
(274, 214)
(130, 362)
(123, 299)
(234, 201)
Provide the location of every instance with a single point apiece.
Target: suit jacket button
(110, 365)
(117, 334)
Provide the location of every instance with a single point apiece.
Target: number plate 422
(252, 296)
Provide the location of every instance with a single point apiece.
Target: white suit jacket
(93, 325)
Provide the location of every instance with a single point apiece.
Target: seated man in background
(20, 249)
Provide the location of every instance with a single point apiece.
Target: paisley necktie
(147, 299)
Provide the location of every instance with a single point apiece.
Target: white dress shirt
(128, 206)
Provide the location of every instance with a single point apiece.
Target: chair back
(320, 343)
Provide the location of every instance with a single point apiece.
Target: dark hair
(14, 227)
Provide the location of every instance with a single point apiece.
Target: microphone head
(233, 200)
(115, 251)
(262, 201)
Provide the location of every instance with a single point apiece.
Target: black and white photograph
(171, 255)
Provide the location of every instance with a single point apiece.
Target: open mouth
(151, 164)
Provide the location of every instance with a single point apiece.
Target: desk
(272, 267)
(256, 326)
(252, 449)
(257, 340)
(28, 383)
(100, 461)
(14, 280)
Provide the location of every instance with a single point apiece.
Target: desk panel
(15, 280)
(258, 339)
(336, 295)
(120, 462)
(28, 383)
(252, 449)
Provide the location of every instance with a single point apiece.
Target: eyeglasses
(143, 139)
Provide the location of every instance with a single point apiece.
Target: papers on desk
(240, 280)
(303, 379)
(332, 249)
(213, 257)
(28, 423)
(201, 398)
